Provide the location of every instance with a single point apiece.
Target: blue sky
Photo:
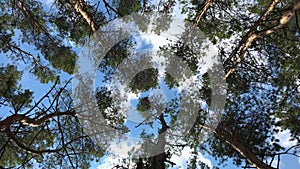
(29, 81)
(287, 162)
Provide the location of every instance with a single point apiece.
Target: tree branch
(232, 140)
(29, 150)
(110, 7)
(25, 120)
(246, 38)
(20, 51)
(202, 12)
(80, 6)
(29, 15)
(287, 15)
(289, 149)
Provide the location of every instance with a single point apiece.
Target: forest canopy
(233, 112)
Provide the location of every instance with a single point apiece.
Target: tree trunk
(233, 141)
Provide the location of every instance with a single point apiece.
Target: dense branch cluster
(258, 43)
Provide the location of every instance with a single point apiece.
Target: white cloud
(284, 138)
(181, 161)
(109, 162)
(118, 151)
(124, 147)
(275, 162)
(48, 2)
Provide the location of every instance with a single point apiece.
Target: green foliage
(44, 74)
(60, 57)
(71, 24)
(143, 105)
(263, 91)
(10, 77)
(128, 7)
(144, 80)
(170, 81)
